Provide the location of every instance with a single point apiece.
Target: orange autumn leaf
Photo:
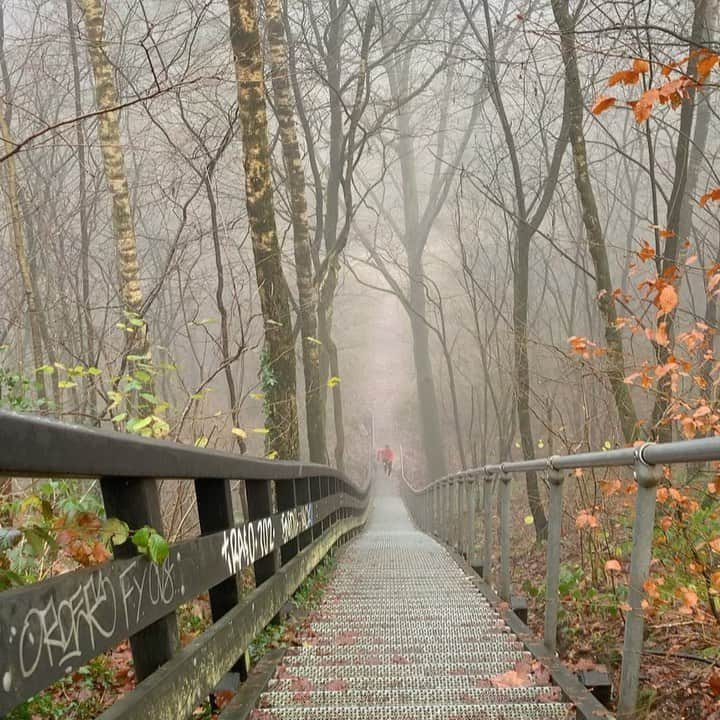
(667, 300)
(643, 107)
(666, 523)
(641, 66)
(713, 195)
(715, 579)
(689, 599)
(715, 544)
(646, 252)
(661, 336)
(602, 104)
(705, 66)
(613, 566)
(626, 77)
(585, 519)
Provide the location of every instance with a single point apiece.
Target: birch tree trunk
(279, 353)
(106, 99)
(307, 294)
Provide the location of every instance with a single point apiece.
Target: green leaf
(94, 371)
(115, 531)
(261, 431)
(313, 340)
(239, 432)
(65, 384)
(119, 418)
(116, 398)
(46, 369)
(142, 376)
(201, 442)
(141, 538)
(158, 548)
(149, 397)
(137, 424)
(607, 445)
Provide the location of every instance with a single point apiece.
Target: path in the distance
(402, 634)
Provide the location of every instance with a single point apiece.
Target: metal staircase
(403, 634)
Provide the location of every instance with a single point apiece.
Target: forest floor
(680, 671)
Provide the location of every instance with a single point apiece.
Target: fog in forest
(424, 215)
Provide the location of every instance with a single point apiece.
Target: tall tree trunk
(279, 353)
(307, 294)
(677, 210)
(18, 235)
(432, 433)
(522, 373)
(329, 361)
(106, 99)
(593, 228)
(89, 342)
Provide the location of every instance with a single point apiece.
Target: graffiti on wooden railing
(103, 605)
(246, 544)
(295, 521)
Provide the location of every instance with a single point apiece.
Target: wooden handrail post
(136, 501)
(260, 505)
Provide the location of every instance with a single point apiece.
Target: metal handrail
(437, 509)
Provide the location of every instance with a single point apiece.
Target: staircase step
(408, 696)
(494, 711)
(402, 633)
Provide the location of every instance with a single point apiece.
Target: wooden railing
(297, 512)
(447, 508)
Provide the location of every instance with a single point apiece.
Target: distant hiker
(386, 456)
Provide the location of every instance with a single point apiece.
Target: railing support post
(505, 537)
(137, 502)
(436, 509)
(445, 515)
(470, 501)
(552, 576)
(488, 528)
(454, 525)
(647, 478)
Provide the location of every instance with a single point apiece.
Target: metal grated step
(407, 696)
(496, 711)
(403, 634)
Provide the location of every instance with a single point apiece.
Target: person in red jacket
(386, 456)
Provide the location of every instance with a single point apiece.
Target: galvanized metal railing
(447, 508)
(297, 512)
